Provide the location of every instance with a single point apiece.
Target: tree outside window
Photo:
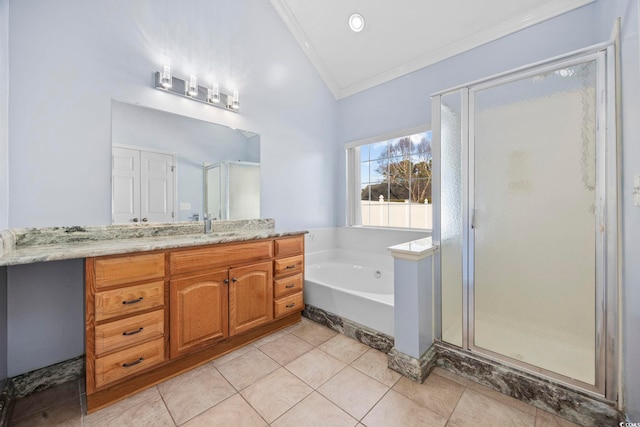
(395, 177)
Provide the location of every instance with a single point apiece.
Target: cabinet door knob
(144, 220)
(234, 280)
(226, 281)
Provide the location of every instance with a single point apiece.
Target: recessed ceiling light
(356, 22)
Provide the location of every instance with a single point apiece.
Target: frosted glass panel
(534, 199)
(244, 191)
(451, 217)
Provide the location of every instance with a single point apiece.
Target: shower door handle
(473, 219)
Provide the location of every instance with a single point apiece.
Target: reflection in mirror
(157, 159)
(232, 190)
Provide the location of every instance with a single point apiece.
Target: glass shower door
(533, 208)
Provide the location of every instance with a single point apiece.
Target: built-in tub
(349, 272)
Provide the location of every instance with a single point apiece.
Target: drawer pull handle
(128, 365)
(290, 286)
(293, 304)
(137, 331)
(133, 301)
(291, 266)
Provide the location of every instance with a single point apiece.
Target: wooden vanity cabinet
(125, 316)
(250, 297)
(151, 316)
(199, 311)
(288, 271)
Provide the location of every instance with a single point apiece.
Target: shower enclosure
(526, 219)
(232, 190)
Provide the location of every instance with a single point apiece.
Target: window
(390, 182)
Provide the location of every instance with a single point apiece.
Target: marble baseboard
(365, 335)
(6, 402)
(47, 377)
(410, 367)
(547, 395)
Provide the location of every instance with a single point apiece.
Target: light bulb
(235, 100)
(192, 88)
(165, 78)
(213, 93)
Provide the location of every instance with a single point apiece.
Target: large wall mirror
(159, 164)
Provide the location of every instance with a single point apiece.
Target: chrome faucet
(207, 223)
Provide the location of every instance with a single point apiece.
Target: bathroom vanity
(158, 306)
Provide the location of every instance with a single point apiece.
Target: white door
(142, 186)
(156, 187)
(125, 185)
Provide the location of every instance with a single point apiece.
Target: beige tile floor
(306, 375)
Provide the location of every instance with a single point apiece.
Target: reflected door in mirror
(142, 186)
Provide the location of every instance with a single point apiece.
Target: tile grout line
(165, 405)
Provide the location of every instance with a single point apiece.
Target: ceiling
(402, 36)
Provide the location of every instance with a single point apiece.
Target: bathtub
(349, 272)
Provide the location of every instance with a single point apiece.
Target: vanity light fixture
(165, 79)
(192, 88)
(356, 22)
(213, 93)
(188, 88)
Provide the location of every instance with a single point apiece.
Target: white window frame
(352, 154)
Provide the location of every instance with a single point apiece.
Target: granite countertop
(26, 246)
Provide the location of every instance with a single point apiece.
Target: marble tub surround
(35, 245)
(366, 336)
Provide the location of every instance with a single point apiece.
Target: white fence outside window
(396, 214)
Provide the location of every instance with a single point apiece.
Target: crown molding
(543, 13)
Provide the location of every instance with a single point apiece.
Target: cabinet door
(199, 311)
(250, 297)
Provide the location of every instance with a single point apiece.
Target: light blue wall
(84, 54)
(630, 76)
(68, 59)
(4, 173)
(4, 114)
(46, 322)
(405, 102)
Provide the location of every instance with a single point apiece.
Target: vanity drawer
(291, 265)
(128, 362)
(287, 285)
(129, 300)
(130, 331)
(289, 246)
(216, 256)
(128, 269)
(288, 305)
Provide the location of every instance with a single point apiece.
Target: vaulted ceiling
(402, 36)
